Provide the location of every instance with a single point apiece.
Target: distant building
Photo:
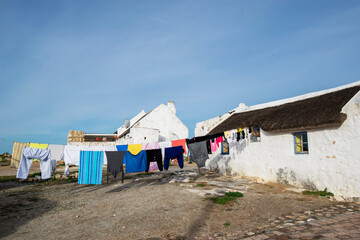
(310, 141)
(159, 124)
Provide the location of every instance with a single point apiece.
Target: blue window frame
(301, 144)
(225, 148)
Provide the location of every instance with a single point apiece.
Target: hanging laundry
(90, 167)
(57, 154)
(154, 156)
(149, 146)
(238, 136)
(242, 134)
(198, 153)
(134, 148)
(27, 157)
(233, 135)
(171, 153)
(103, 148)
(164, 145)
(227, 134)
(219, 140)
(122, 147)
(38, 145)
(135, 163)
(72, 156)
(213, 145)
(181, 142)
(115, 163)
(208, 146)
(204, 138)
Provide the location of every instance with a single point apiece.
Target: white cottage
(158, 125)
(310, 141)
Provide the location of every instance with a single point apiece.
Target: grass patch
(201, 185)
(226, 224)
(34, 174)
(228, 197)
(324, 193)
(60, 164)
(7, 178)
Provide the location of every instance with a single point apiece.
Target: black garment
(115, 163)
(238, 136)
(154, 155)
(204, 138)
(242, 134)
(208, 146)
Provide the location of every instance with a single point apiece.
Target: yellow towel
(38, 145)
(134, 148)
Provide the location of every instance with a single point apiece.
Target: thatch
(312, 113)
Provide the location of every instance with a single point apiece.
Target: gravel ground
(169, 205)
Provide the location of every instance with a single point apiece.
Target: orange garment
(180, 142)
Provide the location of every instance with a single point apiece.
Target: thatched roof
(311, 113)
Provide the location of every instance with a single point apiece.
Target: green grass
(201, 185)
(34, 174)
(7, 178)
(226, 224)
(228, 197)
(324, 193)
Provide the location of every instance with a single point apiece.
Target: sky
(89, 65)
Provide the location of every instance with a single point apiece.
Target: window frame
(302, 142)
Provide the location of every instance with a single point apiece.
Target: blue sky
(88, 65)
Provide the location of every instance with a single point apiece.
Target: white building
(310, 141)
(158, 125)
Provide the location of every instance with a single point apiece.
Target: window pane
(306, 148)
(298, 147)
(304, 135)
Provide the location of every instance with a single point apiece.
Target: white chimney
(171, 106)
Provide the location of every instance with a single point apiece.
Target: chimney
(171, 106)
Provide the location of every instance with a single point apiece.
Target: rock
(114, 215)
(57, 176)
(76, 175)
(310, 220)
(250, 234)
(307, 212)
(289, 224)
(77, 216)
(218, 234)
(291, 217)
(38, 177)
(300, 222)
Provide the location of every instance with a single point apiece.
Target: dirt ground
(167, 205)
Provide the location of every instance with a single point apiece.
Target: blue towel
(90, 167)
(122, 147)
(135, 163)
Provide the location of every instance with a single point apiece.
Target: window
(301, 142)
(224, 148)
(255, 133)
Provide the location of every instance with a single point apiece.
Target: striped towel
(90, 167)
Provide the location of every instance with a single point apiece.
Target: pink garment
(213, 145)
(153, 167)
(149, 146)
(219, 140)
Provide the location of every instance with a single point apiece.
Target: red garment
(180, 142)
(219, 140)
